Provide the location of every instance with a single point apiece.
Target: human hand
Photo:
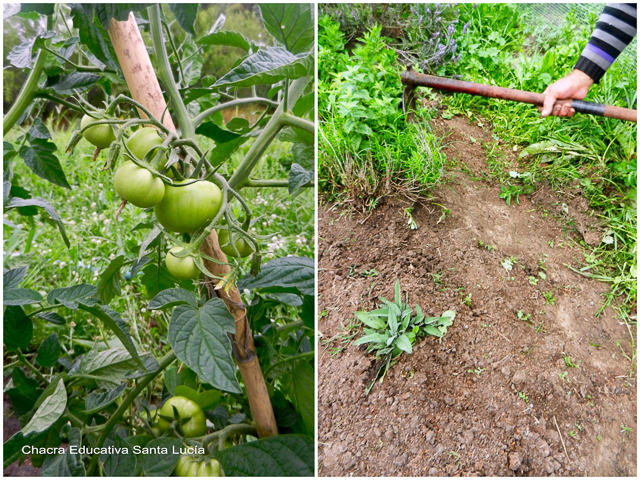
(574, 86)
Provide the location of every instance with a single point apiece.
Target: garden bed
(509, 390)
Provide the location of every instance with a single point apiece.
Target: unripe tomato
(186, 209)
(195, 427)
(143, 140)
(245, 249)
(184, 268)
(189, 466)
(101, 135)
(153, 421)
(138, 185)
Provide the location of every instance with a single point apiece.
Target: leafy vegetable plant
(393, 329)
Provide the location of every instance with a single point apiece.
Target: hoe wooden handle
(415, 79)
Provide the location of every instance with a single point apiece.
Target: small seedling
(624, 430)
(508, 263)
(523, 396)
(369, 273)
(481, 244)
(352, 270)
(466, 300)
(533, 280)
(542, 275)
(478, 371)
(523, 317)
(579, 427)
(410, 221)
(598, 437)
(572, 433)
(549, 299)
(437, 277)
(563, 375)
(510, 192)
(568, 363)
(393, 329)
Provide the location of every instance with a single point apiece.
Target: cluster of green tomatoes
(182, 207)
(188, 419)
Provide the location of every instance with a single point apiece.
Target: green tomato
(245, 249)
(187, 208)
(143, 140)
(195, 427)
(101, 135)
(184, 268)
(138, 185)
(189, 466)
(153, 421)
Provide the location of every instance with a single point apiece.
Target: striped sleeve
(615, 30)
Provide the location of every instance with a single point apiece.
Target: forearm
(615, 30)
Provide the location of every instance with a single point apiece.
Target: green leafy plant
(393, 329)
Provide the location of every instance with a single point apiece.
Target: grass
(88, 211)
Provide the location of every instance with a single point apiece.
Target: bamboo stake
(137, 69)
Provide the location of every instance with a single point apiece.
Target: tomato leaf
(49, 351)
(20, 296)
(158, 464)
(70, 296)
(228, 39)
(121, 464)
(75, 81)
(40, 158)
(97, 401)
(52, 317)
(199, 339)
(25, 392)
(304, 155)
(280, 456)
(91, 33)
(286, 274)
(298, 178)
(12, 278)
(52, 404)
(291, 24)
(171, 298)
(109, 284)
(37, 202)
(267, 66)
(65, 464)
(18, 329)
(302, 393)
(185, 14)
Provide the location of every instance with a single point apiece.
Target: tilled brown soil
(496, 396)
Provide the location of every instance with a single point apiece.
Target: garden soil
(548, 394)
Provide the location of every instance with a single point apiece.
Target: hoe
(412, 79)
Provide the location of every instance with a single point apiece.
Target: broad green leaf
(20, 55)
(171, 298)
(403, 343)
(112, 366)
(298, 178)
(538, 148)
(49, 351)
(20, 296)
(290, 274)
(24, 393)
(448, 317)
(371, 321)
(123, 463)
(185, 14)
(75, 81)
(372, 338)
(12, 278)
(392, 321)
(97, 401)
(223, 151)
(70, 296)
(52, 317)
(214, 132)
(398, 294)
(18, 329)
(38, 130)
(199, 339)
(117, 11)
(280, 456)
(173, 379)
(109, 284)
(267, 66)
(158, 464)
(40, 158)
(206, 399)
(113, 321)
(65, 464)
(37, 202)
(303, 155)
(229, 39)
(91, 33)
(431, 330)
(291, 24)
(303, 393)
(49, 410)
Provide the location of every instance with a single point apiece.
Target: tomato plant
(242, 248)
(128, 355)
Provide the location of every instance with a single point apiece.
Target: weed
(533, 280)
(369, 273)
(466, 300)
(508, 263)
(568, 363)
(523, 396)
(490, 248)
(549, 299)
(524, 317)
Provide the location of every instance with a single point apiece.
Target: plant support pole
(137, 68)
